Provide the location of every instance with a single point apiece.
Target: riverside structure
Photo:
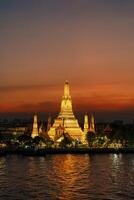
(66, 122)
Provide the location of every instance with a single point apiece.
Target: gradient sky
(88, 42)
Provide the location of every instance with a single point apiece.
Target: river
(67, 177)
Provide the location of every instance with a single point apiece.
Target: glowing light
(66, 118)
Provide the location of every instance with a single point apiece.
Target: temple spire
(92, 124)
(86, 124)
(66, 90)
(48, 123)
(66, 103)
(35, 127)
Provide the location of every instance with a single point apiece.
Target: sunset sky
(90, 43)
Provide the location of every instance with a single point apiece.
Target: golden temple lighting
(67, 119)
(35, 127)
(92, 124)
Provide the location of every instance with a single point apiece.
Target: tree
(66, 141)
(37, 140)
(90, 137)
(24, 139)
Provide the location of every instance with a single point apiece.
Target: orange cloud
(47, 98)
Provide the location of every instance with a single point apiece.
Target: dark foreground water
(107, 176)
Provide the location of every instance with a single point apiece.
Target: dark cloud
(12, 88)
(46, 106)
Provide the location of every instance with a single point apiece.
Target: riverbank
(43, 152)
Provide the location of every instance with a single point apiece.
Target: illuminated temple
(66, 121)
(35, 127)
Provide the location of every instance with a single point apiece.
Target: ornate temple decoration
(86, 126)
(35, 127)
(92, 124)
(66, 120)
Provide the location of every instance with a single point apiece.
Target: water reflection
(67, 177)
(2, 166)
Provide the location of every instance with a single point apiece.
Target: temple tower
(41, 129)
(66, 103)
(35, 127)
(48, 124)
(86, 124)
(92, 124)
(66, 118)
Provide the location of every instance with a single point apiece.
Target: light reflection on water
(69, 177)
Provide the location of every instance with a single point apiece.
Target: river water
(67, 177)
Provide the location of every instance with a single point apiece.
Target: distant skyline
(90, 43)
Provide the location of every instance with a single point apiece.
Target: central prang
(66, 119)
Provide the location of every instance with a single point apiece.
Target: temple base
(70, 126)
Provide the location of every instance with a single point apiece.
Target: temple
(86, 126)
(35, 127)
(66, 121)
(92, 124)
